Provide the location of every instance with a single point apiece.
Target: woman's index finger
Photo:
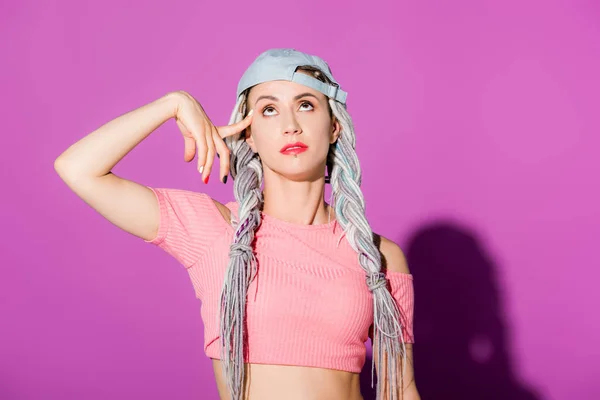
(232, 129)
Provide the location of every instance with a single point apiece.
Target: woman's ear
(248, 131)
(250, 139)
(336, 129)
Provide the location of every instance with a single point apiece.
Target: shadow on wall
(461, 345)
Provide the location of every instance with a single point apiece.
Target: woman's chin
(300, 176)
(299, 171)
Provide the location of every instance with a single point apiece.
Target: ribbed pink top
(309, 305)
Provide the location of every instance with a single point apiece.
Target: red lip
(300, 146)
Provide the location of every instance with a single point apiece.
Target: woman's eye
(269, 110)
(266, 109)
(306, 103)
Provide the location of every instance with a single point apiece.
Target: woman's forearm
(412, 393)
(97, 153)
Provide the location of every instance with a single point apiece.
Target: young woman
(291, 286)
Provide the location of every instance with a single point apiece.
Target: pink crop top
(308, 306)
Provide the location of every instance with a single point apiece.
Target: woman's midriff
(276, 382)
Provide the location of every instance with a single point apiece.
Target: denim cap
(281, 64)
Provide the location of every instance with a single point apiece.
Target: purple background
(477, 125)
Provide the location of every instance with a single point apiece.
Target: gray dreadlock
(345, 178)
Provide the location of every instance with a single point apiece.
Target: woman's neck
(298, 202)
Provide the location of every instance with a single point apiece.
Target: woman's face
(287, 112)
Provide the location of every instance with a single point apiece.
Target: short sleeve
(189, 223)
(402, 290)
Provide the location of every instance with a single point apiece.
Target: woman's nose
(291, 126)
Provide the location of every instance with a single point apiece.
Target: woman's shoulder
(227, 210)
(393, 258)
(195, 202)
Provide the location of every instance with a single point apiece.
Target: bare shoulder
(225, 212)
(393, 258)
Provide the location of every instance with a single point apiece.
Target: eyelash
(303, 103)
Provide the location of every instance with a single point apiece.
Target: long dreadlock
(345, 178)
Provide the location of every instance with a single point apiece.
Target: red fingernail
(206, 180)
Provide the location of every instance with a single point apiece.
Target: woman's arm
(409, 387)
(410, 391)
(394, 260)
(86, 165)
(97, 153)
(86, 168)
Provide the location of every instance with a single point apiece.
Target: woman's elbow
(411, 393)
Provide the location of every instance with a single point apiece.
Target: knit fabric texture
(308, 305)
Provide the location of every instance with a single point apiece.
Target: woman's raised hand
(203, 137)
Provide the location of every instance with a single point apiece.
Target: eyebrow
(295, 98)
